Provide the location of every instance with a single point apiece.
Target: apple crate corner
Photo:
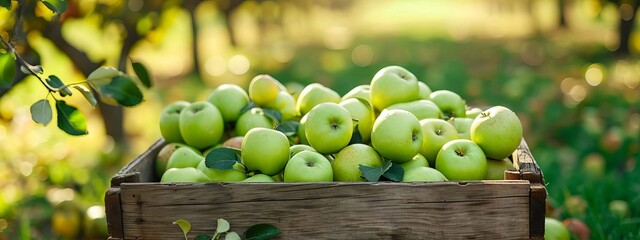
(138, 207)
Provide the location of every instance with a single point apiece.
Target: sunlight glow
(95, 211)
(567, 84)
(362, 55)
(239, 64)
(58, 195)
(215, 66)
(578, 93)
(594, 74)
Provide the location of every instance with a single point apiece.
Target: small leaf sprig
(256, 232)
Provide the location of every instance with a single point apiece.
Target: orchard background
(570, 69)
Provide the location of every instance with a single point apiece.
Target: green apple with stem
(201, 125)
(416, 161)
(265, 150)
(435, 132)
(362, 111)
(496, 168)
(391, 85)
(463, 126)
(450, 103)
(230, 99)
(422, 109)
(170, 121)
(216, 175)
(497, 131)
(263, 89)
(473, 112)
(253, 118)
(397, 135)
(314, 94)
(285, 104)
(360, 91)
(259, 178)
(165, 154)
(184, 157)
(328, 127)
(308, 166)
(424, 91)
(423, 174)
(347, 162)
(462, 159)
(188, 174)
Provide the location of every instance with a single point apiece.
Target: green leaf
(223, 225)
(70, 119)
(373, 174)
(356, 137)
(394, 173)
(222, 158)
(5, 4)
(41, 112)
(57, 6)
(87, 93)
(55, 82)
(288, 127)
(203, 237)
(248, 107)
(7, 70)
(261, 232)
(184, 225)
(123, 90)
(232, 236)
(142, 73)
(275, 115)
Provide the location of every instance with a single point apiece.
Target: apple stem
(459, 152)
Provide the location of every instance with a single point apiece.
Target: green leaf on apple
(123, 90)
(373, 174)
(184, 225)
(222, 158)
(70, 120)
(288, 127)
(142, 73)
(394, 173)
(41, 112)
(261, 232)
(248, 107)
(356, 137)
(203, 237)
(275, 115)
(55, 82)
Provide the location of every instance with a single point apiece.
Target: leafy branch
(261, 231)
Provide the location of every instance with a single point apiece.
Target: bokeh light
(239, 64)
(594, 74)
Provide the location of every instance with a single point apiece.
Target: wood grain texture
(449, 210)
(114, 213)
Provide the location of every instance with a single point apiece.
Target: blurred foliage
(578, 102)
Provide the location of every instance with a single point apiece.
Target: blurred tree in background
(569, 68)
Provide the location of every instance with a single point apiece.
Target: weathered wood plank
(114, 213)
(451, 210)
(141, 169)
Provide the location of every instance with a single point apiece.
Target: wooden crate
(138, 207)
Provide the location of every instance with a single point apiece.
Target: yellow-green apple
(259, 178)
(328, 127)
(265, 150)
(170, 121)
(360, 91)
(216, 175)
(201, 125)
(294, 88)
(285, 104)
(314, 94)
(184, 157)
(229, 99)
(462, 125)
(497, 131)
(362, 111)
(473, 112)
(253, 118)
(435, 133)
(422, 109)
(496, 168)
(346, 165)
(416, 161)
(397, 135)
(308, 166)
(188, 174)
(619, 208)
(263, 89)
(424, 91)
(391, 85)
(555, 230)
(423, 174)
(302, 137)
(165, 154)
(450, 103)
(295, 149)
(462, 159)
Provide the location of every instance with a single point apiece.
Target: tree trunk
(625, 28)
(562, 13)
(191, 6)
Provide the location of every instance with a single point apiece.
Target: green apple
(450, 103)
(422, 109)
(328, 127)
(423, 174)
(496, 168)
(555, 230)
(308, 166)
(201, 125)
(259, 178)
(391, 85)
(215, 175)
(362, 111)
(165, 154)
(263, 89)
(302, 137)
(474, 112)
(253, 118)
(397, 135)
(265, 150)
(416, 161)
(314, 94)
(170, 121)
(229, 99)
(285, 104)
(278, 177)
(188, 174)
(295, 149)
(462, 159)
(435, 133)
(462, 125)
(619, 208)
(424, 91)
(497, 131)
(184, 157)
(294, 88)
(361, 91)
(347, 162)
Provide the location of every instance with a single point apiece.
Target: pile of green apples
(394, 129)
